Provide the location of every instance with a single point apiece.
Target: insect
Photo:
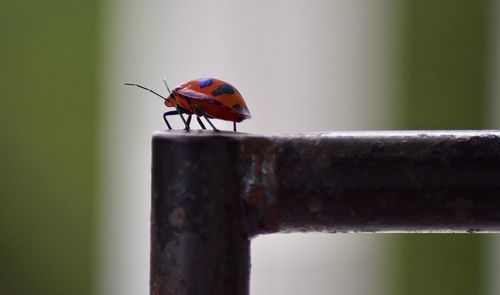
(205, 97)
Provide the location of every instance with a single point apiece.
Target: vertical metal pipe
(198, 242)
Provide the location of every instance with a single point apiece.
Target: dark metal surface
(198, 245)
(213, 192)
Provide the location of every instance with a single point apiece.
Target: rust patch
(259, 185)
(259, 179)
(255, 195)
(257, 160)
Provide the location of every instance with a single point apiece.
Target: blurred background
(75, 143)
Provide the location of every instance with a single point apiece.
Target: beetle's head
(170, 101)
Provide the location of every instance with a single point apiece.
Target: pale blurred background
(75, 142)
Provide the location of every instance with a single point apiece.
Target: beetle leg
(200, 122)
(165, 118)
(234, 126)
(189, 120)
(199, 110)
(182, 117)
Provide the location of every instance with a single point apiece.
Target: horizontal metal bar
(381, 181)
(213, 191)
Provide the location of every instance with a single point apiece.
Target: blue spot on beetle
(223, 88)
(205, 82)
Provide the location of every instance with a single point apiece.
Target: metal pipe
(212, 192)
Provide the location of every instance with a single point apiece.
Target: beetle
(205, 97)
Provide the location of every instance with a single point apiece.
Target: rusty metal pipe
(212, 192)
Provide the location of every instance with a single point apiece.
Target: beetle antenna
(165, 81)
(154, 92)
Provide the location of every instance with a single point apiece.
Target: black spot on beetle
(237, 108)
(223, 88)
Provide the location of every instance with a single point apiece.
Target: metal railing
(213, 192)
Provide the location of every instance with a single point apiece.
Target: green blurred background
(50, 76)
(444, 86)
